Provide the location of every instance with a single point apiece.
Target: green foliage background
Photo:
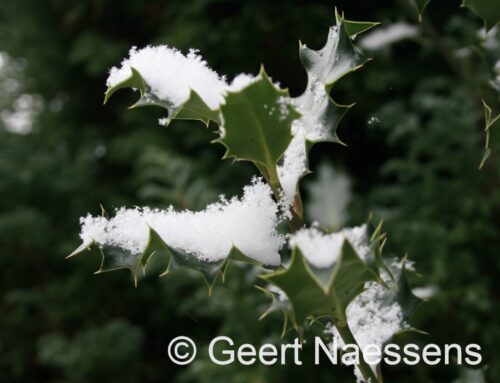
(416, 166)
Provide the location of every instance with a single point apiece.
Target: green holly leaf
(116, 258)
(134, 81)
(112, 258)
(401, 293)
(488, 10)
(419, 6)
(256, 123)
(354, 28)
(320, 113)
(313, 292)
(490, 123)
(337, 58)
(279, 303)
(324, 67)
(304, 293)
(194, 108)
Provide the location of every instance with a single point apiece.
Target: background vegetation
(415, 142)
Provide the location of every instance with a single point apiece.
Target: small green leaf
(324, 67)
(115, 258)
(194, 108)
(305, 295)
(490, 123)
(112, 258)
(321, 115)
(404, 295)
(277, 305)
(337, 58)
(314, 292)
(354, 28)
(347, 279)
(135, 81)
(256, 123)
(488, 10)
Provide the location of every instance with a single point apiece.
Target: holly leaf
(304, 293)
(354, 28)
(334, 60)
(324, 67)
(194, 108)
(112, 258)
(256, 123)
(279, 303)
(488, 10)
(116, 258)
(402, 294)
(490, 123)
(320, 113)
(313, 292)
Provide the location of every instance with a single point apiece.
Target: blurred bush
(415, 141)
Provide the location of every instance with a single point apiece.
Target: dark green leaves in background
(416, 167)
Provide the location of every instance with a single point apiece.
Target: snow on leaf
(325, 274)
(380, 312)
(322, 250)
(182, 84)
(238, 229)
(320, 114)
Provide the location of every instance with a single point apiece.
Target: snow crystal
(329, 197)
(322, 250)
(170, 75)
(248, 223)
(391, 34)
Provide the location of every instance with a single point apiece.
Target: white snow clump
(249, 223)
(322, 250)
(371, 319)
(170, 75)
